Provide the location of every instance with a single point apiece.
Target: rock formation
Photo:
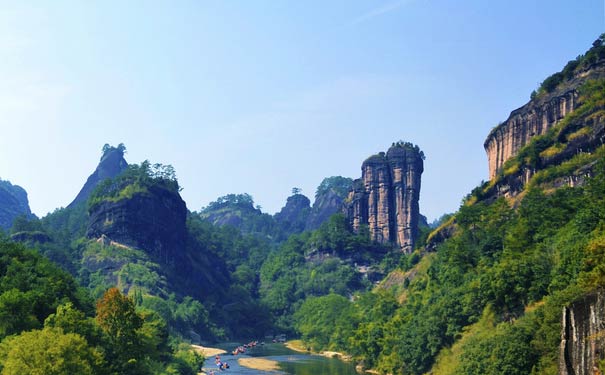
(13, 202)
(112, 164)
(153, 221)
(536, 118)
(583, 336)
(386, 197)
(329, 199)
(293, 216)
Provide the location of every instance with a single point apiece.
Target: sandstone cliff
(293, 216)
(386, 197)
(153, 221)
(13, 202)
(111, 165)
(329, 199)
(583, 336)
(538, 116)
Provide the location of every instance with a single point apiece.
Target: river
(289, 361)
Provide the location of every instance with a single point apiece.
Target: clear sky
(263, 96)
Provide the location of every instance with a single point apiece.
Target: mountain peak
(112, 163)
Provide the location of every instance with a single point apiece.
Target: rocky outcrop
(386, 197)
(536, 118)
(324, 206)
(583, 336)
(293, 216)
(153, 221)
(111, 165)
(13, 203)
(329, 200)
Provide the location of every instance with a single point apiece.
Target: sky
(259, 97)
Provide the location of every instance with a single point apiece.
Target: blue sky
(263, 96)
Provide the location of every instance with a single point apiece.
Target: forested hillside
(486, 295)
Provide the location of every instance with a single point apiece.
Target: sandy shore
(208, 352)
(258, 364)
(298, 345)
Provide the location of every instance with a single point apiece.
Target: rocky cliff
(293, 216)
(386, 197)
(112, 163)
(541, 113)
(329, 199)
(13, 202)
(153, 221)
(583, 336)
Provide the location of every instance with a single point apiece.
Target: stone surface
(583, 336)
(293, 216)
(112, 163)
(153, 221)
(535, 118)
(325, 205)
(386, 197)
(13, 202)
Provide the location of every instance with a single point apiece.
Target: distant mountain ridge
(13, 202)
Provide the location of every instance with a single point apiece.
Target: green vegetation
(597, 52)
(544, 254)
(136, 179)
(556, 153)
(338, 184)
(47, 325)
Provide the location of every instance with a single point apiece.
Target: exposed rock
(112, 163)
(329, 200)
(293, 216)
(32, 236)
(583, 336)
(13, 202)
(535, 118)
(152, 221)
(386, 197)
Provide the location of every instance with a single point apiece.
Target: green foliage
(311, 264)
(31, 288)
(525, 263)
(338, 184)
(135, 179)
(597, 52)
(49, 351)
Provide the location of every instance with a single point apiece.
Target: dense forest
(482, 293)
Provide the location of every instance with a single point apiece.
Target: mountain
(293, 216)
(386, 197)
(329, 200)
(13, 203)
(112, 163)
(511, 283)
(238, 211)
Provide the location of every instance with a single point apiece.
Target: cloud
(389, 7)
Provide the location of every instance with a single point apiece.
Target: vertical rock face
(583, 336)
(13, 202)
(153, 221)
(386, 197)
(112, 164)
(535, 118)
(293, 215)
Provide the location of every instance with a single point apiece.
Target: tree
(296, 190)
(50, 352)
(117, 317)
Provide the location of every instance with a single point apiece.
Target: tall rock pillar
(386, 197)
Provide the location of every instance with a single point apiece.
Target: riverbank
(208, 352)
(259, 364)
(299, 346)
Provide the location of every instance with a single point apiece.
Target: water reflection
(290, 362)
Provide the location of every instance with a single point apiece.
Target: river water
(290, 362)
